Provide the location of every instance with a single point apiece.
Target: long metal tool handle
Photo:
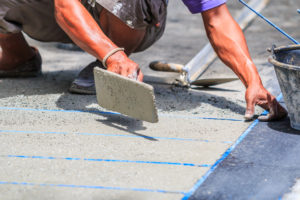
(269, 22)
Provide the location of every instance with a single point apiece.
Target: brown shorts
(36, 18)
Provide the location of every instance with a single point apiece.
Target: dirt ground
(57, 145)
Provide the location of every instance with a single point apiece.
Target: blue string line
(195, 117)
(56, 110)
(91, 187)
(105, 160)
(114, 113)
(269, 22)
(225, 155)
(114, 135)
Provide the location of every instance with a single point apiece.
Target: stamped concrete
(56, 145)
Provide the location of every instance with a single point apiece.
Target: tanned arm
(229, 43)
(80, 26)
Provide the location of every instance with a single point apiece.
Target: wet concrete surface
(56, 145)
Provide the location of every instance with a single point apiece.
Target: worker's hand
(119, 63)
(258, 95)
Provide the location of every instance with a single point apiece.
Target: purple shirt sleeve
(197, 6)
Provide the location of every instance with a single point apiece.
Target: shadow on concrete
(131, 125)
(169, 98)
(48, 83)
(173, 98)
(283, 126)
(69, 101)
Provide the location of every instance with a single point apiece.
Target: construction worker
(113, 30)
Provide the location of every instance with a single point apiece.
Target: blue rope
(269, 22)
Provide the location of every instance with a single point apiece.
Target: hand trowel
(126, 96)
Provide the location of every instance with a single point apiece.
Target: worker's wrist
(109, 54)
(119, 56)
(253, 81)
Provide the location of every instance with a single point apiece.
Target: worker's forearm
(76, 21)
(229, 43)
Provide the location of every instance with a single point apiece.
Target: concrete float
(286, 61)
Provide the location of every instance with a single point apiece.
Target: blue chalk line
(90, 187)
(225, 155)
(115, 113)
(114, 135)
(105, 160)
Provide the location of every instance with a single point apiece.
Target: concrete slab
(264, 166)
(10, 192)
(50, 137)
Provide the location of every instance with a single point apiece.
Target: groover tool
(183, 80)
(126, 96)
(269, 22)
(190, 74)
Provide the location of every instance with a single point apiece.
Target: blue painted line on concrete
(113, 135)
(99, 134)
(54, 110)
(90, 187)
(105, 160)
(114, 113)
(224, 156)
(195, 117)
(203, 178)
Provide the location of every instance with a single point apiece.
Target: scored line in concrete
(105, 160)
(113, 135)
(114, 113)
(90, 187)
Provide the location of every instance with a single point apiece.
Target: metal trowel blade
(126, 96)
(212, 81)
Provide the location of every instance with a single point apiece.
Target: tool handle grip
(166, 67)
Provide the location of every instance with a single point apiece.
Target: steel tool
(195, 68)
(124, 95)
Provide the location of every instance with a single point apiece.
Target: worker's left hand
(119, 63)
(258, 95)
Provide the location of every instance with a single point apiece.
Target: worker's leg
(229, 43)
(15, 51)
